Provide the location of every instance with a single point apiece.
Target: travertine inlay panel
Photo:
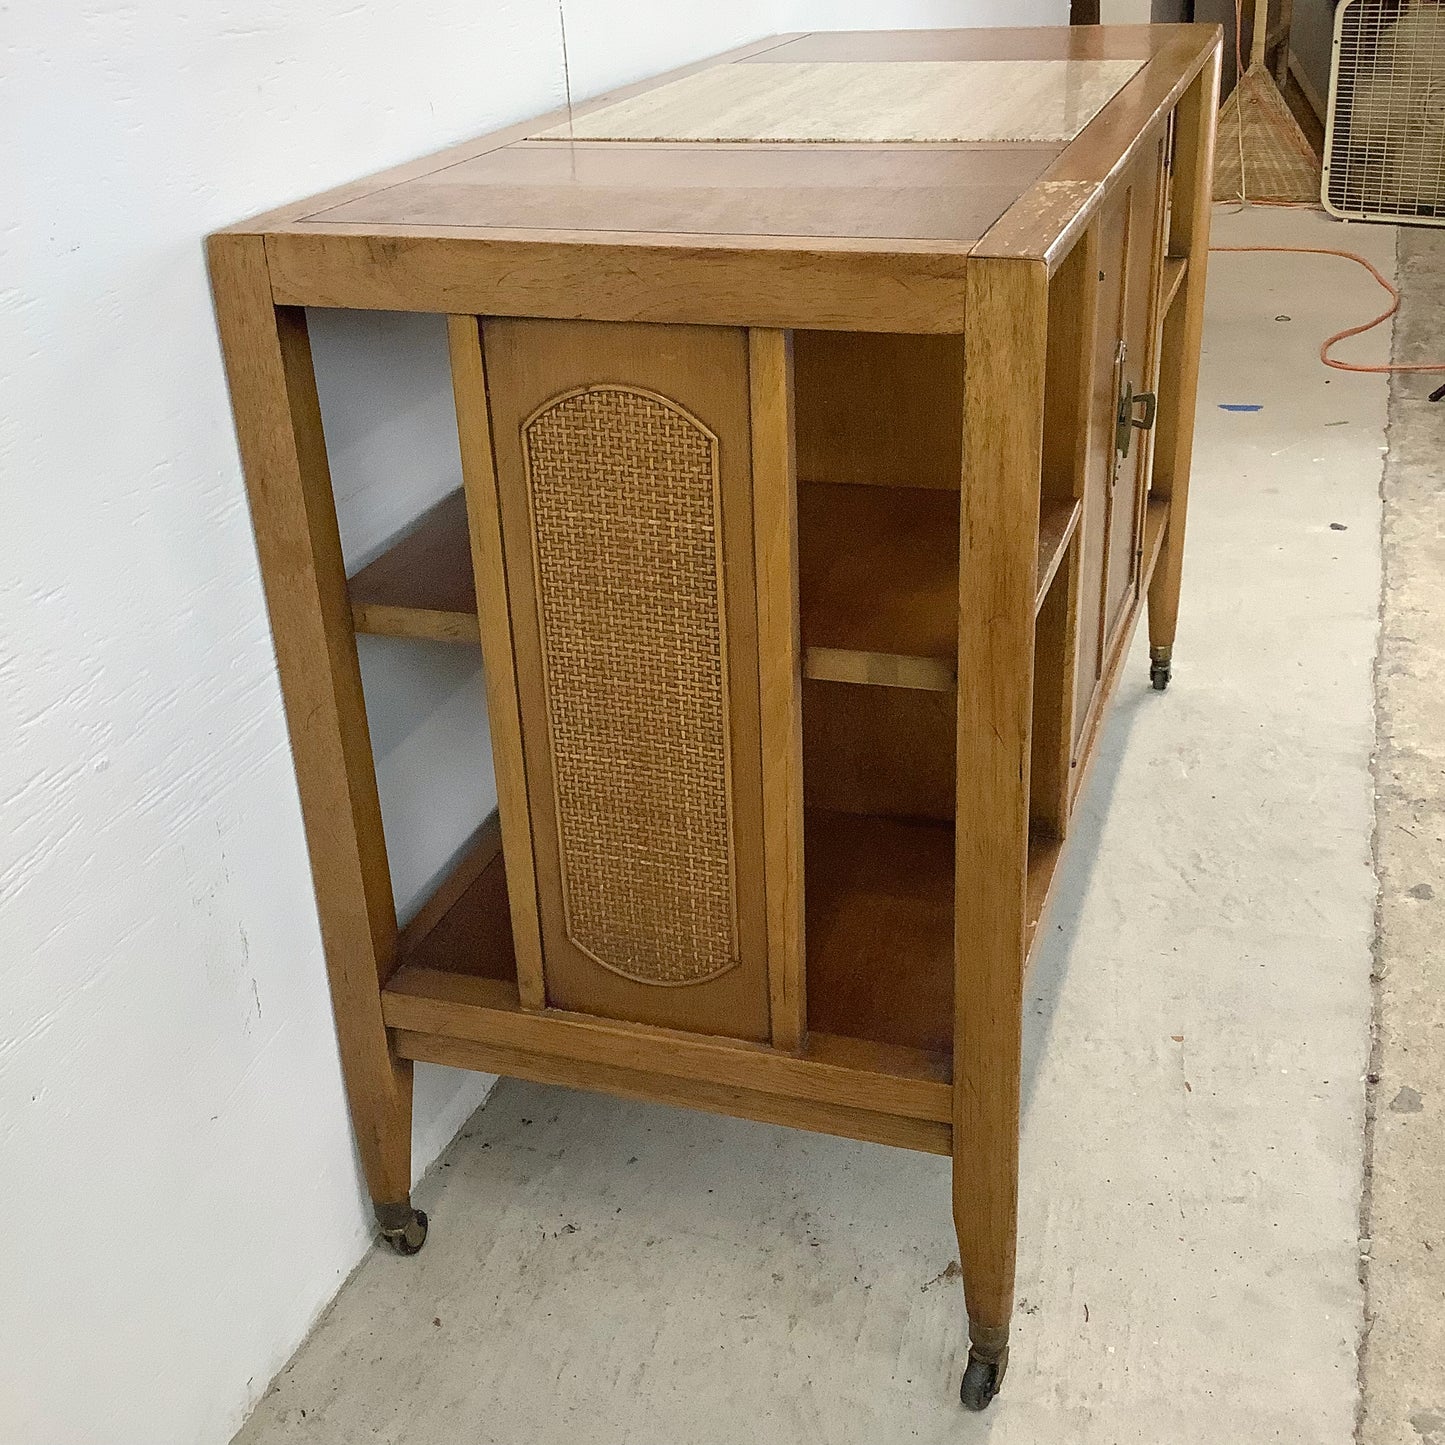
(860, 102)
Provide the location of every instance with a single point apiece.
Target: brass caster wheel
(402, 1227)
(981, 1380)
(1159, 667)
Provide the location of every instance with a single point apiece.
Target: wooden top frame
(852, 235)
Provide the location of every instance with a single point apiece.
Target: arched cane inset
(623, 489)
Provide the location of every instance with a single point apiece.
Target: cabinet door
(1137, 373)
(623, 467)
(1125, 353)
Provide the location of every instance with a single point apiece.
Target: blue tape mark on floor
(1241, 406)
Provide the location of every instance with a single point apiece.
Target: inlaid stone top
(863, 102)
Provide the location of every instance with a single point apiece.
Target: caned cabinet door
(623, 467)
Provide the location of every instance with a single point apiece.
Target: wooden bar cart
(825, 414)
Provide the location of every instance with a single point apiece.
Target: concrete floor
(1404, 1356)
(1197, 1037)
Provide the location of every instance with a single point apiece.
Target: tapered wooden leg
(1005, 339)
(283, 452)
(1179, 369)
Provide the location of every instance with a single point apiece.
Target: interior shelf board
(1044, 853)
(1058, 521)
(465, 928)
(1175, 268)
(456, 977)
(879, 901)
(880, 669)
(422, 586)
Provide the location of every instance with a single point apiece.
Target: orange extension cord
(1349, 331)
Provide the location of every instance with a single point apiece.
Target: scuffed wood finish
(780, 679)
(879, 669)
(1005, 362)
(1058, 521)
(484, 520)
(949, 194)
(283, 453)
(1052, 214)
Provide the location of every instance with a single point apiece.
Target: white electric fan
(1385, 138)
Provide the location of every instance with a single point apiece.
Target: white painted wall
(916, 14)
(177, 1176)
(1124, 12)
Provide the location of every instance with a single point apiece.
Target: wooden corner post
(283, 453)
(1005, 335)
(1179, 352)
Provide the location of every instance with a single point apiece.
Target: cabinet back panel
(885, 751)
(873, 407)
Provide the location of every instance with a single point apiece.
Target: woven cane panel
(624, 495)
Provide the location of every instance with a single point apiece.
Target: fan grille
(1385, 146)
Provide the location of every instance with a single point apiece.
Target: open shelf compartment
(421, 586)
(878, 580)
(453, 1000)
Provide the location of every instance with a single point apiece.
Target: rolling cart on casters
(825, 413)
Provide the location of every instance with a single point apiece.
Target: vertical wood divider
(1067, 446)
(283, 452)
(484, 523)
(780, 674)
(1005, 339)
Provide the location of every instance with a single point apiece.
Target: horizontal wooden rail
(876, 1078)
(927, 1136)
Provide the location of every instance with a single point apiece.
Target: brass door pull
(1127, 421)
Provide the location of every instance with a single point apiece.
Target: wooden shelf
(453, 999)
(1044, 853)
(421, 587)
(878, 581)
(878, 584)
(878, 570)
(466, 925)
(1174, 270)
(879, 897)
(1058, 521)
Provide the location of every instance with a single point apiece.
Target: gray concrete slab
(1196, 1035)
(1403, 1361)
